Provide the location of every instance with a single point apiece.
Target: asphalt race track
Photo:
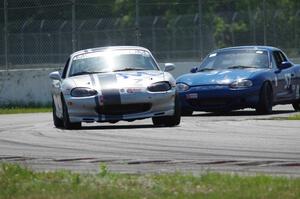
(240, 141)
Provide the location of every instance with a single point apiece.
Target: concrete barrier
(32, 86)
(25, 87)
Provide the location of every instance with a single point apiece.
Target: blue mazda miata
(233, 78)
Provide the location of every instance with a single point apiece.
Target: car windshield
(235, 59)
(112, 61)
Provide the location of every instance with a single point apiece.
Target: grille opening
(122, 109)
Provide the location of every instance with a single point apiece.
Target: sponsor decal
(288, 80)
(122, 90)
(298, 92)
(210, 87)
(137, 74)
(192, 96)
(111, 53)
(130, 90)
(134, 90)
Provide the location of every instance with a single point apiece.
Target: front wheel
(173, 120)
(265, 103)
(66, 119)
(58, 123)
(296, 105)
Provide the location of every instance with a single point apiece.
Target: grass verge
(19, 182)
(294, 117)
(15, 110)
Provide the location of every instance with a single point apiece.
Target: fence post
(154, 34)
(22, 44)
(96, 34)
(196, 31)
(40, 39)
(5, 35)
(296, 28)
(274, 28)
(265, 31)
(232, 26)
(253, 22)
(60, 51)
(79, 34)
(73, 26)
(137, 22)
(200, 28)
(174, 35)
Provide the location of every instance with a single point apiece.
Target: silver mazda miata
(111, 84)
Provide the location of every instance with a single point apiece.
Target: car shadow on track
(239, 113)
(114, 126)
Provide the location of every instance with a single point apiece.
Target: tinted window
(112, 61)
(279, 57)
(231, 58)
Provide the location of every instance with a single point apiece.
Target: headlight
(159, 86)
(243, 83)
(83, 92)
(182, 87)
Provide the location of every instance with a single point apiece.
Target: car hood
(124, 79)
(218, 76)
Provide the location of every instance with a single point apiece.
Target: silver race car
(111, 84)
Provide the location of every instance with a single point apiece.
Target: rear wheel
(173, 120)
(296, 105)
(265, 103)
(66, 119)
(58, 123)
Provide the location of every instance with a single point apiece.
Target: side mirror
(55, 75)
(285, 64)
(194, 70)
(169, 67)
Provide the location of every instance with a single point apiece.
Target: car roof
(100, 49)
(268, 48)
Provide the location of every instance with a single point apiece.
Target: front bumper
(219, 98)
(132, 106)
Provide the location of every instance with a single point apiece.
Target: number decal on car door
(298, 92)
(288, 80)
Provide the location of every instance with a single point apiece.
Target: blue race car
(234, 78)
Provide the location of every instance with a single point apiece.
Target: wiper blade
(205, 69)
(240, 66)
(128, 69)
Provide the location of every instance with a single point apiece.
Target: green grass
(15, 110)
(294, 117)
(18, 182)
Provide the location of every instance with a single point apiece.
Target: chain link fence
(40, 34)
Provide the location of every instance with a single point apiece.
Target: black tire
(222, 112)
(185, 112)
(66, 119)
(58, 123)
(296, 105)
(265, 103)
(169, 121)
